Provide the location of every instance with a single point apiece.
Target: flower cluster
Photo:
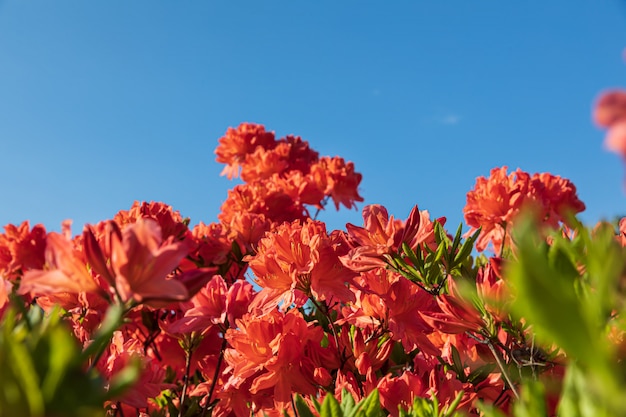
(239, 316)
(495, 202)
(610, 113)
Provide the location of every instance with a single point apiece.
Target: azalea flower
(610, 113)
(273, 352)
(21, 248)
(238, 143)
(151, 381)
(137, 263)
(215, 304)
(66, 270)
(131, 264)
(341, 181)
(456, 315)
(297, 261)
(495, 202)
(397, 311)
(169, 220)
(401, 391)
(381, 235)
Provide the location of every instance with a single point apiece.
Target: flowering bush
(267, 312)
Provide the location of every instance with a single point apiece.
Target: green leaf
(417, 262)
(532, 401)
(348, 405)
(23, 368)
(478, 375)
(370, 406)
(124, 379)
(110, 324)
(547, 299)
(440, 235)
(330, 407)
(451, 409)
(467, 248)
(457, 239)
(458, 364)
(303, 408)
(63, 351)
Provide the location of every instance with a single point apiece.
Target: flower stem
(188, 353)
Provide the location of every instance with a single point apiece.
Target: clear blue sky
(107, 102)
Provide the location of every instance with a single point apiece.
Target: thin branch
(216, 375)
(188, 354)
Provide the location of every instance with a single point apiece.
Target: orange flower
(151, 381)
(610, 112)
(381, 234)
(66, 271)
(267, 197)
(400, 391)
(247, 229)
(396, 311)
(341, 181)
(494, 203)
(296, 261)
(457, 315)
(5, 290)
(170, 221)
(21, 249)
(238, 143)
(272, 351)
(263, 163)
(615, 140)
(213, 244)
(300, 156)
(556, 198)
(215, 304)
(139, 262)
(610, 108)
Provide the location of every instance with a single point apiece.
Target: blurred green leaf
(303, 408)
(125, 378)
(547, 299)
(330, 407)
(370, 406)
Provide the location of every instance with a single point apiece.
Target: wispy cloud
(449, 119)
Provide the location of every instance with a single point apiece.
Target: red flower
(170, 221)
(213, 244)
(494, 203)
(341, 181)
(555, 198)
(457, 315)
(381, 234)
(272, 351)
(215, 304)
(296, 261)
(150, 383)
(401, 391)
(610, 112)
(238, 143)
(610, 108)
(133, 264)
(66, 271)
(21, 249)
(137, 262)
(397, 311)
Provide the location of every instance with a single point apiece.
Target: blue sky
(107, 102)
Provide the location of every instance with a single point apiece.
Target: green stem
(188, 353)
(215, 376)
